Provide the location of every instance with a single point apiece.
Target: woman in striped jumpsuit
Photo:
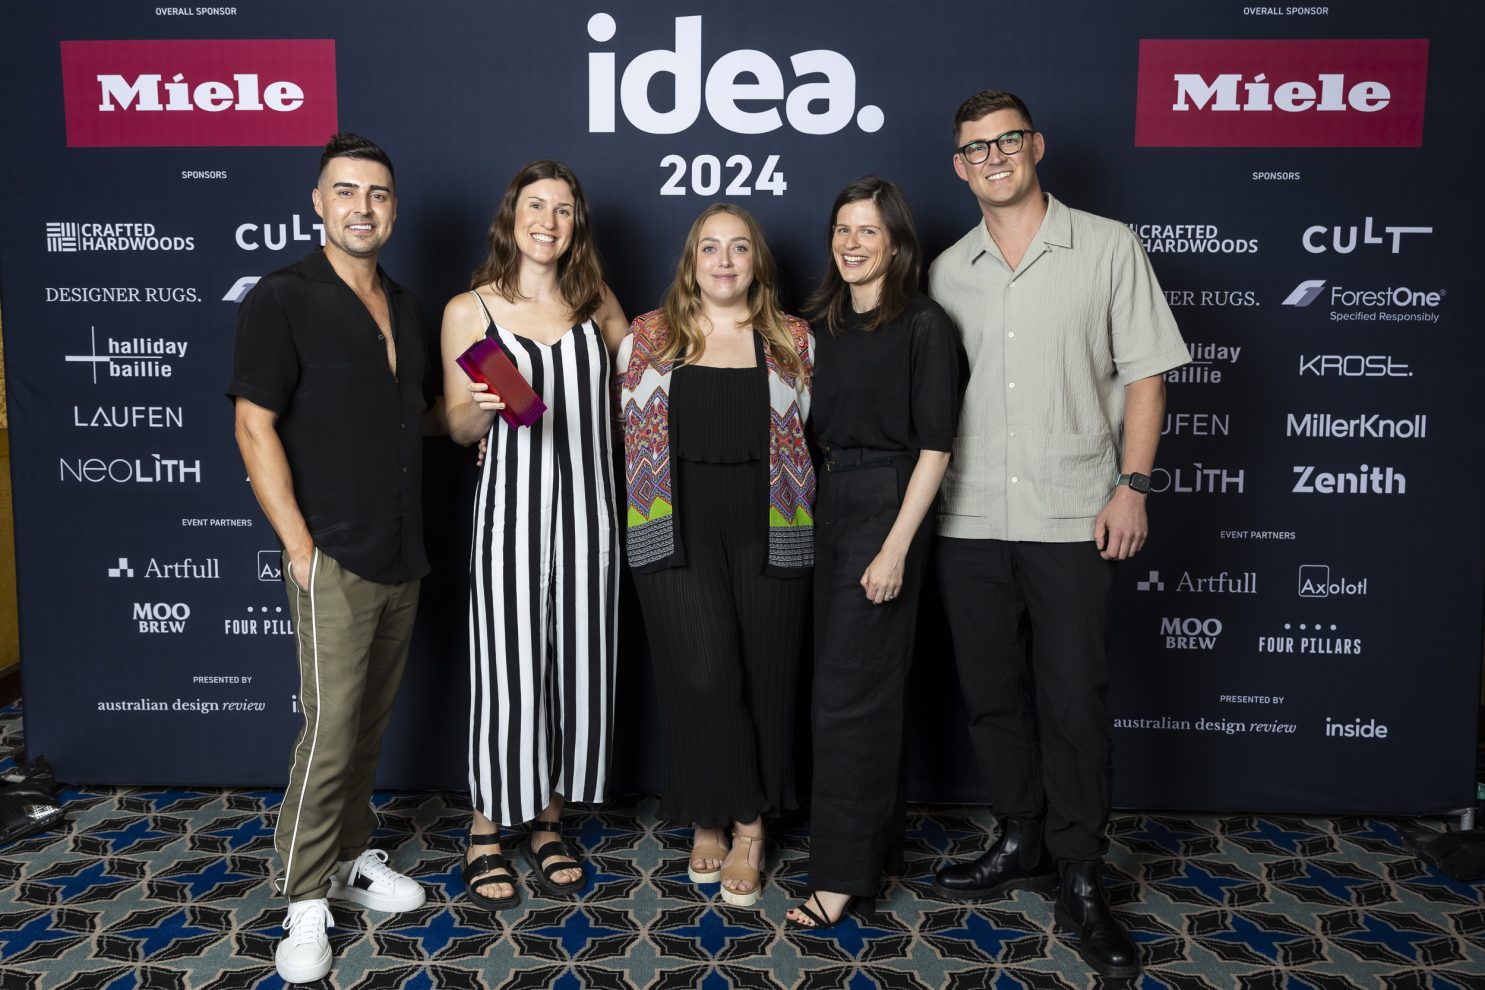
(544, 562)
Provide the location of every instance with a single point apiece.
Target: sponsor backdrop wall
(1303, 630)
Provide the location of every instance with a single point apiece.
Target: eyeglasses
(1009, 143)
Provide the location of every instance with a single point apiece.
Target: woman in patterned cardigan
(714, 391)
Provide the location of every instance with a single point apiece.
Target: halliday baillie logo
(1267, 93)
(218, 93)
(131, 357)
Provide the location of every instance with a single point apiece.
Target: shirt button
(380, 337)
(1010, 333)
(1013, 285)
(404, 470)
(1014, 479)
(1013, 433)
(1011, 385)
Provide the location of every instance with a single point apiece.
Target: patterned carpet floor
(168, 889)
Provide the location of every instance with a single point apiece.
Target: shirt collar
(317, 266)
(1055, 231)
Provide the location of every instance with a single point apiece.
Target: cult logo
(744, 76)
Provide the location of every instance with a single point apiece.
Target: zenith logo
(1305, 292)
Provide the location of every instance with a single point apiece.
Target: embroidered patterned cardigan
(652, 541)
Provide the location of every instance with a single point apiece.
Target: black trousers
(862, 656)
(1030, 623)
(726, 640)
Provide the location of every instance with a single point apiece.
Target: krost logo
(218, 93)
(1353, 366)
(1312, 93)
(742, 90)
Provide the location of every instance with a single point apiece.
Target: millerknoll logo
(220, 93)
(1208, 93)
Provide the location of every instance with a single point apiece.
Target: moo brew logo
(744, 91)
(161, 618)
(218, 93)
(1314, 93)
(1190, 633)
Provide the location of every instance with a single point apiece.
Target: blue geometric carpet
(168, 889)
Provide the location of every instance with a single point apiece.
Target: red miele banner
(1355, 92)
(198, 93)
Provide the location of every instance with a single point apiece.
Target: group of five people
(770, 471)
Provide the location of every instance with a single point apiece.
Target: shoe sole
(738, 899)
(710, 876)
(1045, 885)
(1101, 968)
(376, 902)
(290, 973)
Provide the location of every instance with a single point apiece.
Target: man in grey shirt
(1068, 337)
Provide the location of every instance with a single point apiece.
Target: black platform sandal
(565, 861)
(489, 868)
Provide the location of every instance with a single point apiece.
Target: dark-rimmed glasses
(1009, 143)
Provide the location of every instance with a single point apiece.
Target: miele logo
(220, 93)
(1206, 93)
(745, 77)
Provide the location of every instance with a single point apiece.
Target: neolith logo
(218, 93)
(1319, 93)
(742, 77)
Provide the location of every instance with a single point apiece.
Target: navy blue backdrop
(1303, 630)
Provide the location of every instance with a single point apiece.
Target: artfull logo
(1315, 581)
(1221, 583)
(131, 357)
(76, 237)
(219, 93)
(742, 89)
(1344, 239)
(181, 570)
(1315, 93)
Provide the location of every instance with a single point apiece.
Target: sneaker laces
(307, 921)
(373, 864)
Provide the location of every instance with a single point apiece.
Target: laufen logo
(1360, 92)
(198, 93)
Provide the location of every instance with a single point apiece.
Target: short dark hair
(344, 144)
(899, 281)
(987, 101)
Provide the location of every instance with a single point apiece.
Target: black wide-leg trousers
(1030, 623)
(862, 656)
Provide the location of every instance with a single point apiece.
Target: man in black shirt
(328, 384)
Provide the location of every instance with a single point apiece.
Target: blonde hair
(682, 305)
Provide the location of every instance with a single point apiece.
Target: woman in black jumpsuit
(886, 398)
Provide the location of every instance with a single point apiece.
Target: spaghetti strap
(489, 320)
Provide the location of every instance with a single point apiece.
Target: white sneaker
(304, 954)
(368, 880)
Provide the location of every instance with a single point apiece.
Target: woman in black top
(886, 396)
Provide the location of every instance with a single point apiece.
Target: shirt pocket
(962, 492)
(1078, 473)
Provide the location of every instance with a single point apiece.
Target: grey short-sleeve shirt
(1051, 346)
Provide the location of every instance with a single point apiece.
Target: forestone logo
(1305, 292)
(240, 289)
(745, 76)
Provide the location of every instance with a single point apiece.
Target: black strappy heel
(821, 918)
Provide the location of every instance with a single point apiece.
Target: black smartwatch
(1136, 482)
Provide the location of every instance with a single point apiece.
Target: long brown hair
(899, 281)
(682, 306)
(579, 273)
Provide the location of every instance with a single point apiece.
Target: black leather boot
(1083, 908)
(1017, 861)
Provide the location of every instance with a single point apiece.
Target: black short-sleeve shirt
(308, 349)
(893, 388)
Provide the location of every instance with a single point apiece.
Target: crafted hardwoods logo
(198, 93)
